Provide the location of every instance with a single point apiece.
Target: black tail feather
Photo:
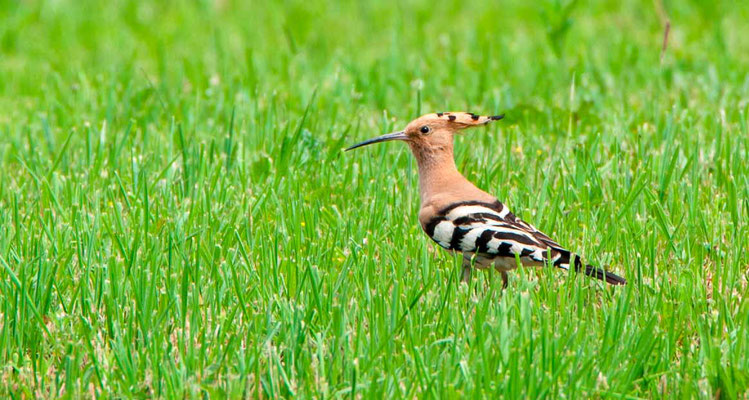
(600, 274)
(587, 269)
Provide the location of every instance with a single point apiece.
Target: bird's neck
(438, 174)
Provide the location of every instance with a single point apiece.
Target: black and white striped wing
(491, 230)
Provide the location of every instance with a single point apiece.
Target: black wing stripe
(525, 252)
(516, 237)
(504, 250)
(429, 227)
(458, 234)
(482, 242)
(478, 217)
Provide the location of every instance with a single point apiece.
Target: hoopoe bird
(461, 217)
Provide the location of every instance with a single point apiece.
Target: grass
(177, 218)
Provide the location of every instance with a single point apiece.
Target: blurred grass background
(177, 218)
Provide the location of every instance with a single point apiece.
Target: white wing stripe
(505, 211)
(468, 243)
(463, 211)
(443, 233)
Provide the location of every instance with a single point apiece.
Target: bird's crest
(453, 121)
(467, 118)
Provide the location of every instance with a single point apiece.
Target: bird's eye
(425, 129)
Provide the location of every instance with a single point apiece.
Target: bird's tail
(587, 269)
(601, 274)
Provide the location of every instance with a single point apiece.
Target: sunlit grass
(177, 218)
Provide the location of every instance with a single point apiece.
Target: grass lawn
(178, 219)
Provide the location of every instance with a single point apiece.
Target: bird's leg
(504, 279)
(466, 275)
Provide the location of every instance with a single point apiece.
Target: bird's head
(432, 132)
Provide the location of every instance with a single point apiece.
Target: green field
(178, 219)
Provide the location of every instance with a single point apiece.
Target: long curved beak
(384, 138)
